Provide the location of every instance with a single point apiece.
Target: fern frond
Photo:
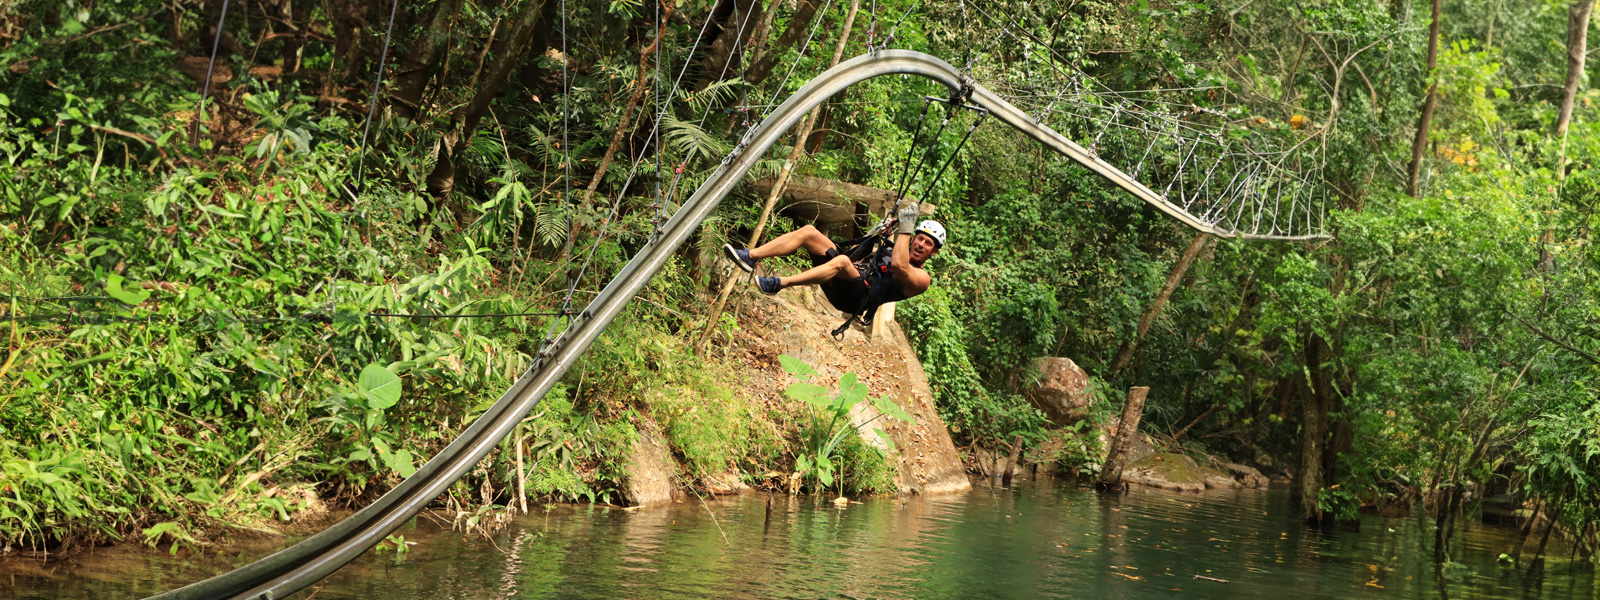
(691, 140)
(550, 224)
(715, 93)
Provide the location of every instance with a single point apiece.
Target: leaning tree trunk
(1116, 456)
(426, 53)
(1125, 353)
(442, 180)
(1577, 45)
(1414, 173)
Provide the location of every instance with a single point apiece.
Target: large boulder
(1177, 472)
(1062, 390)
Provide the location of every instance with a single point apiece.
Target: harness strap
(838, 334)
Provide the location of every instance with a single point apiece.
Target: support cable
(361, 151)
(566, 183)
(205, 88)
(933, 143)
(889, 39)
(976, 120)
(377, 82)
(915, 137)
(655, 125)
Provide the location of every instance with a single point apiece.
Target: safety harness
(871, 254)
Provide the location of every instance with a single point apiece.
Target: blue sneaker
(740, 257)
(768, 285)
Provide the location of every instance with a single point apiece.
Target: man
(890, 274)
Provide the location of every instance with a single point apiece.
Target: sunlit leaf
(380, 386)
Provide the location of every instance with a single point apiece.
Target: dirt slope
(797, 322)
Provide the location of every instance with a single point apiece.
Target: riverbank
(1035, 540)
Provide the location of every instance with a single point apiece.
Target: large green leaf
(795, 366)
(401, 462)
(114, 289)
(809, 393)
(851, 391)
(892, 410)
(380, 386)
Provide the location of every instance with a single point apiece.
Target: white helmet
(934, 230)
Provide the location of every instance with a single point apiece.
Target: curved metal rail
(314, 558)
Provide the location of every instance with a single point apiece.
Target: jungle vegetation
(195, 291)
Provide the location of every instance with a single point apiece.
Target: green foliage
(210, 315)
(831, 423)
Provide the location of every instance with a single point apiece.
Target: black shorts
(845, 293)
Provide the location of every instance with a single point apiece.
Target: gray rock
(1177, 472)
(1248, 477)
(1062, 390)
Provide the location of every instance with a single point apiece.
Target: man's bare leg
(806, 237)
(838, 267)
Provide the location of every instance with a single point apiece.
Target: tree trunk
(1315, 428)
(1538, 554)
(1210, 411)
(1125, 353)
(1446, 523)
(734, 20)
(1011, 461)
(799, 23)
(442, 180)
(426, 53)
(1526, 530)
(1577, 45)
(1429, 101)
(795, 153)
(1111, 473)
(629, 108)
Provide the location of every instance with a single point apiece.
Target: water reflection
(1032, 541)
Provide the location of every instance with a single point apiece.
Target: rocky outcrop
(1062, 390)
(798, 321)
(650, 469)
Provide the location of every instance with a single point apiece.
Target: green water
(1034, 541)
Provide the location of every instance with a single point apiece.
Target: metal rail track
(305, 563)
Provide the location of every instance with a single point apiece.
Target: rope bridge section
(1199, 164)
(296, 567)
(1176, 161)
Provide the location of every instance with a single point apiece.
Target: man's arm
(912, 280)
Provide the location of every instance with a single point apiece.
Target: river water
(1035, 540)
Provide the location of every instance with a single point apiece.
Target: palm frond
(765, 168)
(545, 147)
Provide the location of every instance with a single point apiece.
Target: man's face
(923, 247)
